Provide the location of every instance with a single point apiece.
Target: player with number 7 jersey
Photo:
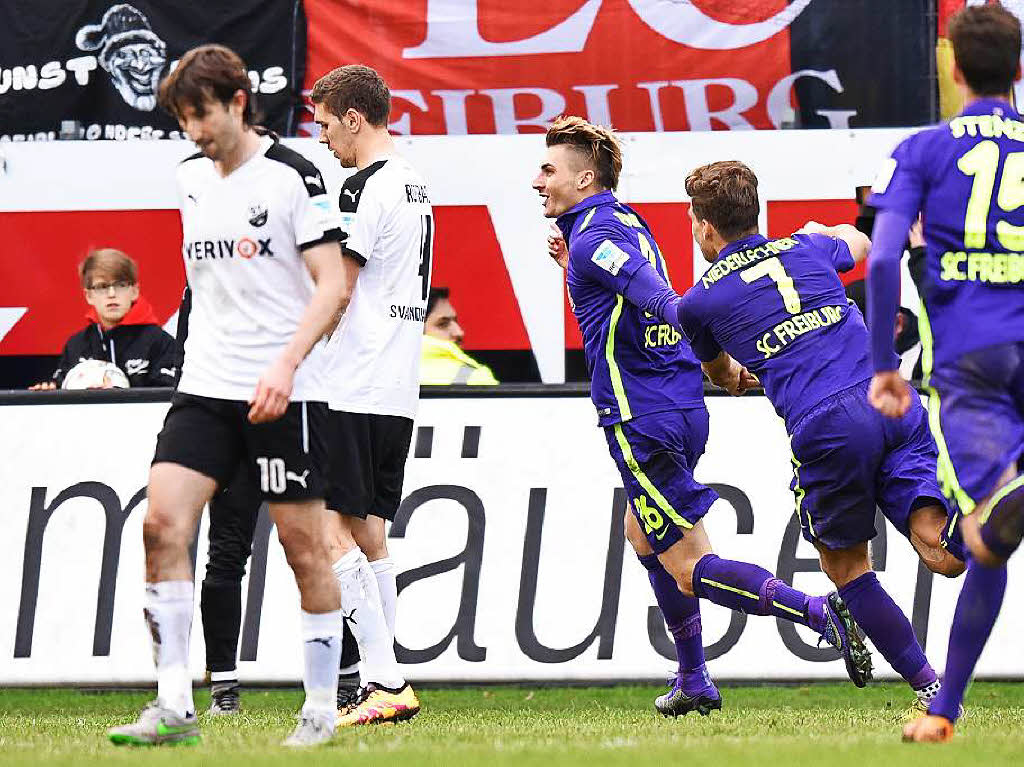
(777, 307)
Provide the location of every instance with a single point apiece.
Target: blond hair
(597, 144)
(110, 264)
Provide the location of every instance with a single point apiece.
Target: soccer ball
(95, 374)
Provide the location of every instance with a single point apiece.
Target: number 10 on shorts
(272, 475)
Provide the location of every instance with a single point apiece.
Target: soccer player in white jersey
(263, 261)
(373, 371)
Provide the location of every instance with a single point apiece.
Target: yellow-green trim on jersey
(613, 369)
(945, 471)
(644, 480)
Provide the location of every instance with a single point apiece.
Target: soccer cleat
(224, 699)
(349, 697)
(157, 726)
(676, 702)
(311, 730)
(923, 699)
(843, 633)
(379, 705)
(928, 729)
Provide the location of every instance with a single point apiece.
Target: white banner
(509, 543)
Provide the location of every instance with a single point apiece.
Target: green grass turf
(828, 724)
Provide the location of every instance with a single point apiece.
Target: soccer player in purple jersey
(967, 179)
(778, 308)
(648, 390)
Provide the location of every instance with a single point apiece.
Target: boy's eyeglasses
(103, 287)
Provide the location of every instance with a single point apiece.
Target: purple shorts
(656, 455)
(976, 412)
(848, 458)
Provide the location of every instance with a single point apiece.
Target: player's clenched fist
(556, 247)
(889, 394)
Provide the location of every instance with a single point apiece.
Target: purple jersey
(638, 362)
(779, 309)
(967, 178)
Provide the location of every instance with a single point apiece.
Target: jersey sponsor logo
(416, 193)
(884, 176)
(245, 247)
(352, 193)
(610, 257)
(409, 313)
(348, 222)
(994, 268)
(135, 367)
(313, 181)
(257, 214)
(796, 326)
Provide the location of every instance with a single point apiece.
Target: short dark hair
(986, 46)
(596, 144)
(725, 193)
(354, 87)
(204, 73)
(111, 264)
(435, 295)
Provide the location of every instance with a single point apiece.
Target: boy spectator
(122, 328)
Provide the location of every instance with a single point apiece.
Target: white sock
(360, 602)
(321, 652)
(168, 607)
(387, 583)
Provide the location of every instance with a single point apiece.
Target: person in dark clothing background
(122, 327)
(234, 512)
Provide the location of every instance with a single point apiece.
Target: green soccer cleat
(157, 726)
(843, 633)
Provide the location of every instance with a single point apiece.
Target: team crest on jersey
(257, 214)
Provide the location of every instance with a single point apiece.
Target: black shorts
(285, 458)
(366, 455)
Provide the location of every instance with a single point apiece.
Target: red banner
(491, 66)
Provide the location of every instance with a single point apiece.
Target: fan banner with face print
(91, 69)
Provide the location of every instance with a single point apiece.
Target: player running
(373, 372)
(262, 258)
(778, 308)
(967, 178)
(648, 391)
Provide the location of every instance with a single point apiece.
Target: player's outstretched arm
(725, 372)
(330, 272)
(856, 240)
(889, 393)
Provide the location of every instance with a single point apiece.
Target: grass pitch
(824, 724)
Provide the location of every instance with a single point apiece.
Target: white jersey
(243, 240)
(375, 351)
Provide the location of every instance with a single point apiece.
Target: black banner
(99, 62)
(882, 54)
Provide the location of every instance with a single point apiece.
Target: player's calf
(994, 530)
(927, 525)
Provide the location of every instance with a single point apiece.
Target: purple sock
(752, 590)
(888, 629)
(976, 613)
(682, 616)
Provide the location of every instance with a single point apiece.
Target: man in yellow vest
(442, 360)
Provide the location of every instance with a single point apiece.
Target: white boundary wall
(539, 460)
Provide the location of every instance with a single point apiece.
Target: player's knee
(160, 529)
(636, 537)
(844, 565)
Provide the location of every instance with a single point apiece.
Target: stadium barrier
(509, 543)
